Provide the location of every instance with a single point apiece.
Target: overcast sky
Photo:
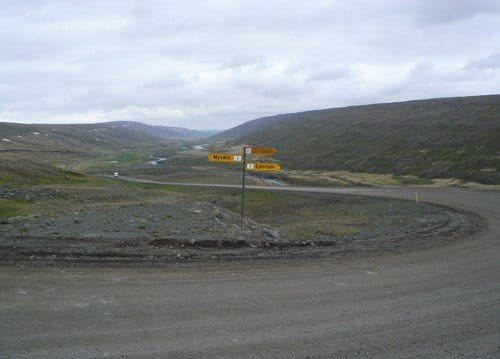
(216, 64)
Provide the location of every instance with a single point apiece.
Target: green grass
(11, 208)
(128, 157)
(19, 173)
(412, 180)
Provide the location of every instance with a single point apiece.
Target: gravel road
(438, 302)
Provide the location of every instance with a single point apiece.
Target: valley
(315, 239)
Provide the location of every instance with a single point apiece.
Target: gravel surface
(441, 302)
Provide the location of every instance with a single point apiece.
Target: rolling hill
(119, 135)
(30, 151)
(83, 139)
(447, 137)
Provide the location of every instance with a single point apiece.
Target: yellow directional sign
(264, 166)
(263, 151)
(224, 157)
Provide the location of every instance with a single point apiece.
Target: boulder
(270, 232)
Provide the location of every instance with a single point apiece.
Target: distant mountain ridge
(447, 137)
(118, 135)
(84, 138)
(179, 133)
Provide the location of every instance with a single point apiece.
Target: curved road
(440, 302)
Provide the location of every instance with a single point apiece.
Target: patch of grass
(412, 180)
(128, 157)
(29, 172)
(308, 216)
(10, 208)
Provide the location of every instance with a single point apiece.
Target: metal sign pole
(243, 185)
(255, 166)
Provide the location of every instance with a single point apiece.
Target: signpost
(253, 166)
(264, 166)
(258, 166)
(261, 151)
(224, 157)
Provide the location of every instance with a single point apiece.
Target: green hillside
(450, 137)
(32, 153)
(80, 138)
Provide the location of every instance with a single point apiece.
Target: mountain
(178, 133)
(119, 135)
(446, 137)
(78, 138)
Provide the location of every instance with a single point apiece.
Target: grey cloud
(329, 74)
(257, 61)
(167, 81)
(446, 11)
(490, 62)
(192, 63)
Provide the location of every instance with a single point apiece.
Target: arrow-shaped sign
(264, 166)
(224, 157)
(262, 151)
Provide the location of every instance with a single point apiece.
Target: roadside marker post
(417, 198)
(253, 166)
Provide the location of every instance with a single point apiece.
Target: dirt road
(440, 302)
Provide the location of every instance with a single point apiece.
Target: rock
(271, 232)
(197, 211)
(76, 220)
(28, 197)
(192, 241)
(16, 219)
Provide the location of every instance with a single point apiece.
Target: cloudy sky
(215, 64)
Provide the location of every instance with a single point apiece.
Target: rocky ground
(117, 227)
(167, 217)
